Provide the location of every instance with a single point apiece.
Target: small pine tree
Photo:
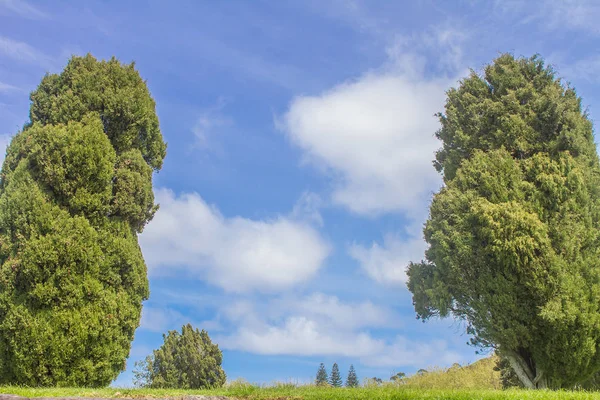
(335, 380)
(352, 380)
(321, 376)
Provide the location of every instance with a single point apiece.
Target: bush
(185, 361)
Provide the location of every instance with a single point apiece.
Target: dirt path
(197, 397)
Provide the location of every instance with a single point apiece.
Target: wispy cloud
(5, 87)
(581, 15)
(163, 319)
(23, 52)
(210, 123)
(586, 69)
(23, 9)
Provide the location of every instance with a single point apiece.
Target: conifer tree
(186, 360)
(322, 378)
(514, 232)
(335, 379)
(352, 380)
(75, 191)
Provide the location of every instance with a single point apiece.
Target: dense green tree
(186, 360)
(398, 377)
(352, 380)
(322, 378)
(335, 379)
(514, 234)
(75, 190)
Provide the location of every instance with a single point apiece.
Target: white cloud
(165, 319)
(386, 264)
(321, 325)
(160, 319)
(375, 135)
(586, 69)
(237, 254)
(307, 208)
(21, 51)
(576, 14)
(5, 87)
(582, 15)
(208, 124)
(22, 8)
(300, 336)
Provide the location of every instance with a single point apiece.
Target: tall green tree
(322, 378)
(75, 190)
(335, 379)
(352, 380)
(186, 360)
(514, 235)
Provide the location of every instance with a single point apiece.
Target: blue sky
(298, 172)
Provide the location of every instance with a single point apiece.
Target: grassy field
(477, 381)
(311, 393)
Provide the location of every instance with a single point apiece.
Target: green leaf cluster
(186, 360)
(514, 235)
(75, 190)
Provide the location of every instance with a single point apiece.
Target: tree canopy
(322, 378)
(352, 380)
(335, 378)
(514, 233)
(75, 190)
(186, 360)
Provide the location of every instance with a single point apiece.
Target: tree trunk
(524, 372)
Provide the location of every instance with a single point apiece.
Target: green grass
(282, 392)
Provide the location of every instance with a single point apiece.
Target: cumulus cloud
(375, 134)
(322, 325)
(237, 254)
(386, 264)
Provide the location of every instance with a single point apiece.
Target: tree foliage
(508, 378)
(75, 190)
(352, 380)
(514, 233)
(335, 379)
(186, 360)
(322, 378)
(398, 377)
